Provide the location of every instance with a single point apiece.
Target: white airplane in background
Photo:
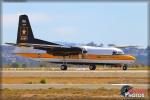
(40, 50)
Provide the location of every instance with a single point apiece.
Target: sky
(79, 22)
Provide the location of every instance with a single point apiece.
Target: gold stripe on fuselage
(80, 56)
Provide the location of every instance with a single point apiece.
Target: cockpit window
(117, 53)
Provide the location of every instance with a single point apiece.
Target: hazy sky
(118, 23)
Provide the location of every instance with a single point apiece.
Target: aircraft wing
(130, 46)
(35, 45)
(59, 50)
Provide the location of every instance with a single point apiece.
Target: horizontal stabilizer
(13, 44)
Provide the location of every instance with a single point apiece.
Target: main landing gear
(63, 67)
(92, 67)
(124, 67)
(64, 64)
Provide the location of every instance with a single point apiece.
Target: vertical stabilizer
(25, 34)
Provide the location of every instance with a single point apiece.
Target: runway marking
(82, 86)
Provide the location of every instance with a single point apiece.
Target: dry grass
(74, 80)
(62, 94)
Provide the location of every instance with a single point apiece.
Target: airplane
(30, 47)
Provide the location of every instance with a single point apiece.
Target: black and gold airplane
(29, 46)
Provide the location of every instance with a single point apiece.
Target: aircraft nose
(132, 58)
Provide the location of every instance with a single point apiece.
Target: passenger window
(114, 53)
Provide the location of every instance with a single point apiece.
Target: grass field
(74, 80)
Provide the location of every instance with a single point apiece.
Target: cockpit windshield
(117, 53)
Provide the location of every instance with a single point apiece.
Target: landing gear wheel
(92, 67)
(63, 67)
(125, 67)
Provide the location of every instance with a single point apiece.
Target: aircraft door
(83, 53)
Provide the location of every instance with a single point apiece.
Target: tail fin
(25, 34)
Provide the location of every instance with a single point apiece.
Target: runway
(103, 73)
(81, 86)
(108, 73)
